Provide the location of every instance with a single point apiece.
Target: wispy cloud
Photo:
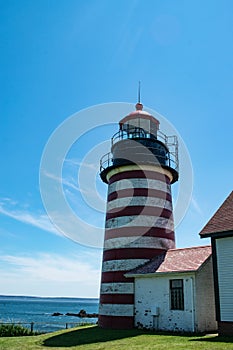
(8, 208)
(74, 185)
(7, 233)
(8, 200)
(69, 182)
(77, 163)
(36, 275)
(196, 205)
(67, 221)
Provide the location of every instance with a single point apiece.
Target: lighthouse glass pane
(176, 294)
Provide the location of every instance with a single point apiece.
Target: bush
(13, 330)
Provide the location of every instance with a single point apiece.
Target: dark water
(40, 310)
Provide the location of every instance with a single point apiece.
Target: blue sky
(59, 57)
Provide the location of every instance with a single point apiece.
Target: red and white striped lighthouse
(139, 171)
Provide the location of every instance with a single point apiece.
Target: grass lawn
(93, 338)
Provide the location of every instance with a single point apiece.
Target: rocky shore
(81, 314)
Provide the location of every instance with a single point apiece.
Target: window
(176, 295)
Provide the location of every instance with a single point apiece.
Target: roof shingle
(175, 260)
(222, 220)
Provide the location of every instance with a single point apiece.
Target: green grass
(93, 338)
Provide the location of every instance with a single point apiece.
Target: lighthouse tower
(139, 171)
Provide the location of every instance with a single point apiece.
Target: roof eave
(220, 234)
(158, 274)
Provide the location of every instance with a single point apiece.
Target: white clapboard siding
(224, 247)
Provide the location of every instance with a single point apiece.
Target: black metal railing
(47, 327)
(134, 133)
(168, 160)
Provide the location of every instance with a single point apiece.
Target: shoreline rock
(81, 314)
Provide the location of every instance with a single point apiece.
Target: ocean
(26, 310)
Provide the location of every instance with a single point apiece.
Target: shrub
(13, 330)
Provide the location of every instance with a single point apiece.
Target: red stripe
(135, 192)
(139, 174)
(139, 231)
(137, 210)
(117, 276)
(117, 298)
(116, 322)
(131, 253)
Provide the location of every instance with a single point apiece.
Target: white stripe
(139, 200)
(122, 264)
(139, 183)
(117, 288)
(140, 220)
(139, 242)
(116, 309)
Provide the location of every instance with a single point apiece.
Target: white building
(220, 229)
(175, 291)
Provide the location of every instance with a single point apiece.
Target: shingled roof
(175, 260)
(222, 220)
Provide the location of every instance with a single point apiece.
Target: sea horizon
(46, 297)
(47, 314)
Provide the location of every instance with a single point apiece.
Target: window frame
(176, 295)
